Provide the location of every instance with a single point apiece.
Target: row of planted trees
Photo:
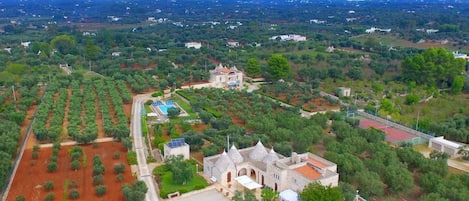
(46, 127)
(82, 121)
(121, 129)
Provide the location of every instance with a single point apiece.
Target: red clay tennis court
(392, 135)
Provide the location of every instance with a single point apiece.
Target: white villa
(265, 167)
(195, 45)
(374, 29)
(223, 77)
(293, 37)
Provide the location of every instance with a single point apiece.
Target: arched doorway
(262, 180)
(275, 189)
(228, 177)
(253, 175)
(242, 172)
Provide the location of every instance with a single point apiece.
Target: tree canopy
(319, 192)
(278, 67)
(63, 43)
(434, 67)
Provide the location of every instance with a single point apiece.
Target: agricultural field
(300, 95)
(83, 111)
(76, 169)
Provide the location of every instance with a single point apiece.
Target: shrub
(75, 165)
(99, 169)
(53, 158)
(120, 177)
(98, 179)
(100, 190)
(51, 166)
(96, 160)
(49, 185)
(116, 155)
(20, 198)
(73, 194)
(49, 197)
(36, 148)
(119, 168)
(35, 155)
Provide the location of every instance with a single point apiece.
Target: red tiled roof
(308, 171)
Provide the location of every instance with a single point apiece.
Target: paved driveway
(210, 195)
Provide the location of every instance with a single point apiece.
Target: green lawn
(185, 106)
(168, 187)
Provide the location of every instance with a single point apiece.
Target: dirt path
(51, 112)
(99, 118)
(112, 111)
(65, 120)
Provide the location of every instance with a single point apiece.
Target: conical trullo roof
(234, 154)
(224, 162)
(259, 152)
(271, 157)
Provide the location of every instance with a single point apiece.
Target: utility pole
(417, 124)
(14, 94)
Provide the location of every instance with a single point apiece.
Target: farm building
(267, 168)
(440, 144)
(175, 147)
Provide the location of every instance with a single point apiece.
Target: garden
(178, 176)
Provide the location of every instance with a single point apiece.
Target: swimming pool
(164, 108)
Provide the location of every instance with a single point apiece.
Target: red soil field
(32, 174)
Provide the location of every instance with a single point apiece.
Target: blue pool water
(164, 108)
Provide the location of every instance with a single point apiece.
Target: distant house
(330, 49)
(232, 44)
(257, 166)
(8, 49)
(175, 147)
(115, 54)
(316, 21)
(458, 55)
(344, 91)
(223, 77)
(25, 44)
(86, 33)
(195, 45)
(289, 37)
(430, 31)
(443, 145)
(374, 29)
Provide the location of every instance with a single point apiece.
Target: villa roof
(316, 163)
(234, 154)
(308, 172)
(259, 152)
(271, 157)
(224, 162)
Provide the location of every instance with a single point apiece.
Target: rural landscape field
(234, 100)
